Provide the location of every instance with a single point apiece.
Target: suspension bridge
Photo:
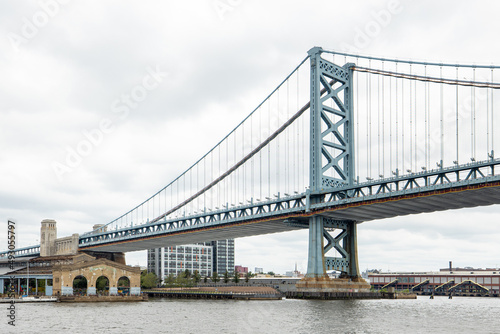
(343, 139)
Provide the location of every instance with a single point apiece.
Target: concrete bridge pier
(316, 256)
(344, 242)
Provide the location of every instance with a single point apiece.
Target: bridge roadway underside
(379, 207)
(201, 234)
(466, 196)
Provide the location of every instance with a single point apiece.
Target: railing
(22, 252)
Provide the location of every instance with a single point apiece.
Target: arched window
(80, 286)
(102, 285)
(124, 286)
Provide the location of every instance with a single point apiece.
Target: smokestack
(451, 266)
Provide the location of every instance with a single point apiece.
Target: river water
(424, 315)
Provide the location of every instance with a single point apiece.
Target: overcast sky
(65, 67)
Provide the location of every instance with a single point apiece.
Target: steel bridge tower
(331, 163)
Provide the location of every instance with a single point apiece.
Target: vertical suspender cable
(474, 105)
(487, 122)
(428, 125)
(252, 162)
(441, 112)
(492, 120)
(383, 123)
(260, 153)
(378, 124)
(300, 144)
(211, 177)
(278, 151)
(473, 118)
(456, 118)
(243, 195)
(411, 121)
(390, 124)
(296, 188)
(218, 185)
(397, 123)
(403, 125)
(235, 177)
(425, 118)
(368, 125)
(415, 117)
(287, 143)
(269, 152)
(357, 119)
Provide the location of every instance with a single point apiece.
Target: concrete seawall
(94, 299)
(331, 295)
(226, 292)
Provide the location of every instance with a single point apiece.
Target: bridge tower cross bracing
(331, 162)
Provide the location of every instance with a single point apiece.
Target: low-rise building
(242, 271)
(61, 269)
(469, 282)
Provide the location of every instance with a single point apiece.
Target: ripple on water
(439, 315)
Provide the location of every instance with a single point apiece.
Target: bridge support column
(316, 258)
(345, 242)
(316, 280)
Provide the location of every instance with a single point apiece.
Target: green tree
(226, 277)
(187, 273)
(271, 273)
(148, 280)
(196, 277)
(236, 277)
(170, 280)
(182, 279)
(205, 279)
(248, 275)
(215, 277)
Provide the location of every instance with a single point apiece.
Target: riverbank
(96, 298)
(332, 295)
(29, 299)
(223, 292)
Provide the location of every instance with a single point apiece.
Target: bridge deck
(383, 205)
(417, 202)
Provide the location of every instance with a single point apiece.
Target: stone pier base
(328, 288)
